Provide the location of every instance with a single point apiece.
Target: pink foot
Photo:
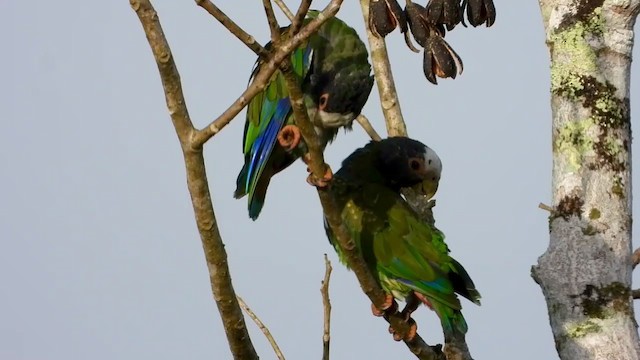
(289, 137)
(409, 335)
(389, 305)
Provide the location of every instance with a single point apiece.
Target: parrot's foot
(409, 335)
(390, 305)
(289, 137)
(312, 179)
(320, 182)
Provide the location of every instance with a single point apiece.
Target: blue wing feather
(263, 146)
(262, 128)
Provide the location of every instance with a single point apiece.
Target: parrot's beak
(429, 188)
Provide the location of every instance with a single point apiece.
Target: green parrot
(408, 257)
(335, 77)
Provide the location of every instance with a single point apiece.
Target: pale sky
(100, 256)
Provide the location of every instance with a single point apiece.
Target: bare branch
(635, 258)
(258, 84)
(303, 9)
(262, 328)
(236, 30)
(635, 293)
(285, 9)
(384, 78)
(215, 254)
(326, 305)
(368, 128)
(273, 22)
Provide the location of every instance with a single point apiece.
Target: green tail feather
(452, 320)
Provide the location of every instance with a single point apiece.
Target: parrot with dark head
(335, 77)
(407, 256)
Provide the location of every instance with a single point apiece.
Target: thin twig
(368, 128)
(285, 9)
(635, 258)
(215, 254)
(258, 84)
(274, 28)
(303, 9)
(326, 305)
(384, 78)
(262, 327)
(236, 30)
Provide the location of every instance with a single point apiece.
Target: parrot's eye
(323, 101)
(415, 164)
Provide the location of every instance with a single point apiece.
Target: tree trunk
(585, 274)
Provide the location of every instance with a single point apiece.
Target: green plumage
(335, 76)
(405, 254)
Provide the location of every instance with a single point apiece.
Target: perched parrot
(408, 257)
(335, 77)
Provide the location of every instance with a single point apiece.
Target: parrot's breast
(333, 120)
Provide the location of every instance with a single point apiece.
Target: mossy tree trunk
(585, 274)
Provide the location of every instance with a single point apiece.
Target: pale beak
(428, 188)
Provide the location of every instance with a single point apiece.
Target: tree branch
(326, 305)
(215, 254)
(368, 128)
(303, 9)
(262, 327)
(274, 28)
(590, 47)
(259, 81)
(236, 30)
(635, 258)
(384, 79)
(285, 9)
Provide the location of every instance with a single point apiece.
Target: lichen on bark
(585, 274)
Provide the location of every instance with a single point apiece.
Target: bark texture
(585, 274)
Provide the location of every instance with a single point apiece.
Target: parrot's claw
(390, 305)
(410, 334)
(289, 137)
(322, 182)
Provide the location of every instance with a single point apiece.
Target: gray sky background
(99, 253)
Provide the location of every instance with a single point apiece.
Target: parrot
(335, 77)
(407, 256)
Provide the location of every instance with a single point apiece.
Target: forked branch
(259, 81)
(215, 254)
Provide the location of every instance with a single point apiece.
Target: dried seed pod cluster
(428, 27)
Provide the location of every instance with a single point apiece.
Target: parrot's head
(339, 96)
(405, 162)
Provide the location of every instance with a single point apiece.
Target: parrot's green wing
(414, 253)
(267, 114)
(403, 252)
